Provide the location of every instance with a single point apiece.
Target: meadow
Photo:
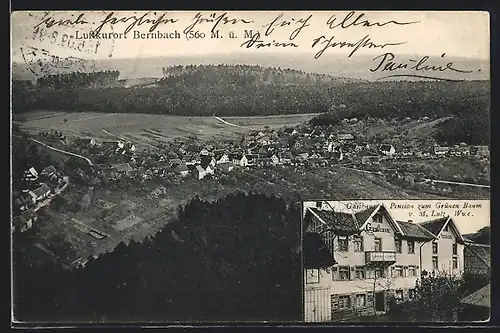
(150, 129)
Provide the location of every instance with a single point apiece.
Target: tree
(437, 299)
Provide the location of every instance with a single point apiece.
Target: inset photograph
(396, 260)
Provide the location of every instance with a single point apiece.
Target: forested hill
(245, 90)
(220, 261)
(243, 75)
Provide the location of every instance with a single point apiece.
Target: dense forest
(241, 90)
(221, 261)
(78, 79)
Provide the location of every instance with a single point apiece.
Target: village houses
(239, 159)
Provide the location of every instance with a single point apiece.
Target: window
(344, 273)
(398, 271)
(411, 247)
(412, 294)
(378, 244)
(398, 244)
(360, 273)
(360, 301)
(344, 302)
(377, 218)
(435, 264)
(434, 247)
(343, 244)
(312, 276)
(455, 249)
(455, 262)
(319, 204)
(379, 273)
(399, 295)
(358, 244)
(412, 271)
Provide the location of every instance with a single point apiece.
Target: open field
(150, 129)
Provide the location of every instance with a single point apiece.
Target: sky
(480, 217)
(464, 34)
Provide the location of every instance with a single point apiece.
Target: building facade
(375, 257)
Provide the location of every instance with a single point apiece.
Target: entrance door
(317, 305)
(380, 301)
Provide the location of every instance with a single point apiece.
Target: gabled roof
(336, 221)
(481, 297)
(195, 168)
(480, 251)
(437, 226)
(315, 252)
(49, 169)
(363, 217)
(414, 230)
(252, 156)
(41, 190)
(385, 147)
(219, 154)
(365, 214)
(434, 226)
(237, 156)
(205, 161)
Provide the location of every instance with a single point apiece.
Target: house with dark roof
(24, 202)
(48, 171)
(182, 170)
(476, 306)
(252, 159)
(446, 251)
(221, 157)
(387, 150)
(40, 193)
(197, 171)
(275, 160)
(206, 161)
(477, 258)
(374, 257)
(441, 150)
(30, 175)
(239, 159)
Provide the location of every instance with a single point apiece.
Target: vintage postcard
(396, 260)
(160, 159)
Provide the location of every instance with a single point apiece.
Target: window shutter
(352, 274)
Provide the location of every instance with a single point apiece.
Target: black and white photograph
(396, 261)
(161, 160)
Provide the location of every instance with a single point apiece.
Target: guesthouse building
(374, 258)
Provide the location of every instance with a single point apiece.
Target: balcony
(380, 257)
